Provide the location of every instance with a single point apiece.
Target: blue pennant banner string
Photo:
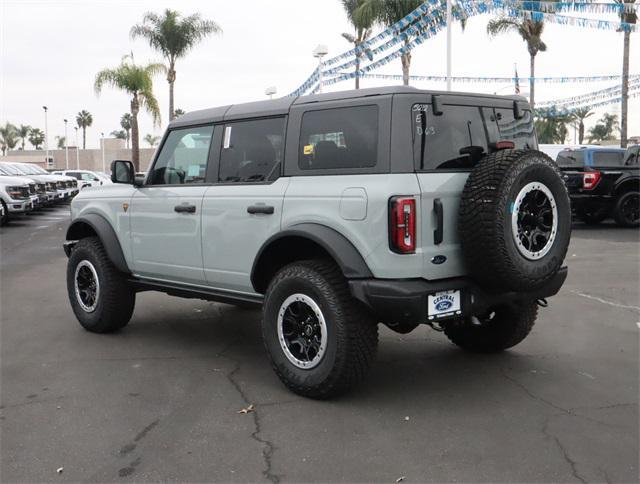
(496, 80)
(591, 96)
(554, 112)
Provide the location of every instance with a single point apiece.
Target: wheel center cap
(308, 330)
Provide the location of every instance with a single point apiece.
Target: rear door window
(252, 151)
(570, 159)
(339, 138)
(445, 141)
(607, 158)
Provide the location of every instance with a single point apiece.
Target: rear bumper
(405, 300)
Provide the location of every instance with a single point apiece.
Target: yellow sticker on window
(308, 149)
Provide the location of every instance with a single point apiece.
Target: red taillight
(590, 179)
(402, 224)
(505, 145)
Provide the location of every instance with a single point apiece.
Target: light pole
(46, 136)
(448, 45)
(270, 91)
(102, 143)
(319, 52)
(66, 145)
(77, 150)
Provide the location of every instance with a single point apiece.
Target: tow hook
(542, 302)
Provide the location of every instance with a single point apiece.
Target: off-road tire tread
(481, 222)
(515, 324)
(358, 331)
(118, 297)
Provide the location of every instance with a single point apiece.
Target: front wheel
(4, 218)
(499, 329)
(100, 296)
(320, 341)
(627, 209)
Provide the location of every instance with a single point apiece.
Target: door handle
(185, 208)
(267, 209)
(438, 233)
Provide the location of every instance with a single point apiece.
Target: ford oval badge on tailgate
(438, 259)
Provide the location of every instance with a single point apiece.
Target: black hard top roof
(279, 106)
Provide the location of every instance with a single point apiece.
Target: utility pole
(319, 52)
(77, 150)
(46, 136)
(66, 146)
(102, 143)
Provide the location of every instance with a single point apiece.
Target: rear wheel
(100, 296)
(627, 209)
(500, 328)
(320, 341)
(592, 215)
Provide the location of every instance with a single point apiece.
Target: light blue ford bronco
(334, 213)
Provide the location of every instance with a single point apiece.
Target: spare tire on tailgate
(515, 220)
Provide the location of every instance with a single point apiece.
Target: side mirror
(122, 172)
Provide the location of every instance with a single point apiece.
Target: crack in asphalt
(565, 454)
(268, 447)
(605, 301)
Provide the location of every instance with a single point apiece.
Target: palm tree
(23, 132)
(152, 140)
(84, 120)
(629, 17)
(137, 81)
(61, 141)
(577, 120)
(388, 12)
(177, 113)
(362, 33)
(125, 122)
(531, 32)
(174, 37)
(604, 128)
(8, 137)
(119, 134)
(551, 126)
(36, 137)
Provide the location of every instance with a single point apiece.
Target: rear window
(569, 158)
(339, 138)
(440, 142)
(520, 131)
(608, 158)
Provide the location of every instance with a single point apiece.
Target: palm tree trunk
(135, 146)
(171, 79)
(624, 108)
(532, 82)
(357, 71)
(84, 137)
(406, 64)
(580, 132)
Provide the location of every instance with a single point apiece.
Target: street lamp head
(65, 121)
(45, 108)
(270, 91)
(320, 51)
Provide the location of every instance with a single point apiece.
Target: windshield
(12, 170)
(28, 169)
(39, 170)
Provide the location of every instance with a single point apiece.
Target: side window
(449, 140)
(73, 174)
(252, 151)
(607, 158)
(339, 138)
(183, 158)
(520, 131)
(87, 176)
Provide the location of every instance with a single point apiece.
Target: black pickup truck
(603, 182)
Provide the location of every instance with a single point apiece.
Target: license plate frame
(444, 304)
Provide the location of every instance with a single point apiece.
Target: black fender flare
(345, 254)
(106, 234)
(633, 180)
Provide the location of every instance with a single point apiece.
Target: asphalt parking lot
(159, 401)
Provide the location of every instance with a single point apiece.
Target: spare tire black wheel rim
(302, 331)
(630, 208)
(534, 220)
(87, 286)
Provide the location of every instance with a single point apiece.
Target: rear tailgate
(440, 191)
